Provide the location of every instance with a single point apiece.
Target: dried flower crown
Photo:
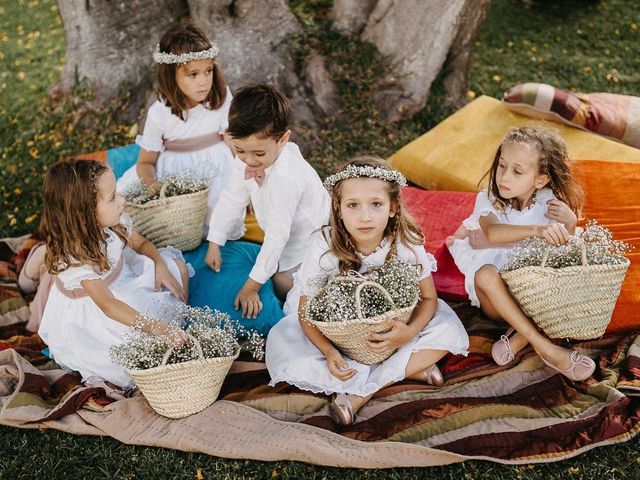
(353, 171)
(163, 57)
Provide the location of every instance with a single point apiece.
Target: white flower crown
(353, 171)
(163, 57)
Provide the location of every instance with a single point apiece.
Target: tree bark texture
(417, 37)
(110, 43)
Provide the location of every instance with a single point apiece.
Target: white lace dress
(469, 259)
(212, 161)
(291, 357)
(79, 334)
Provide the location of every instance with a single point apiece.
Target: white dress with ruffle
(291, 357)
(78, 332)
(469, 259)
(162, 127)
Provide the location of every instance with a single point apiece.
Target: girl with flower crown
(184, 129)
(367, 227)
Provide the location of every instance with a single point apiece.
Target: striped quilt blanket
(523, 413)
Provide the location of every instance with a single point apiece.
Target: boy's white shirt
(290, 205)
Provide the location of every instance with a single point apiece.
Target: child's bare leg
(184, 277)
(421, 360)
(490, 285)
(517, 341)
(282, 283)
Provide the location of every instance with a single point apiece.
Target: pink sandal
(433, 376)
(341, 410)
(501, 350)
(582, 367)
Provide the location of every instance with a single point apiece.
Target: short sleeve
(72, 276)
(152, 139)
(318, 265)
(126, 222)
(418, 256)
(482, 208)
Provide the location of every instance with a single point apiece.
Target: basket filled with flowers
(349, 307)
(178, 381)
(569, 290)
(175, 215)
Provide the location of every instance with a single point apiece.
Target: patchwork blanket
(519, 414)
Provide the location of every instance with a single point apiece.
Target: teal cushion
(218, 290)
(122, 158)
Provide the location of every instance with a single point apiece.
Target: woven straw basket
(182, 389)
(570, 302)
(175, 221)
(349, 336)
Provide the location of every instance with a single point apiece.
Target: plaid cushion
(608, 114)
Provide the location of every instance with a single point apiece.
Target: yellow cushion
(253, 232)
(456, 153)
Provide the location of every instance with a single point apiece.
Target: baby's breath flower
(337, 302)
(176, 184)
(600, 249)
(217, 334)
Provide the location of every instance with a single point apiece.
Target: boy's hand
(383, 343)
(338, 367)
(213, 259)
(249, 299)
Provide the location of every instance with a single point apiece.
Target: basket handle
(369, 283)
(193, 339)
(583, 249)
(163, 190)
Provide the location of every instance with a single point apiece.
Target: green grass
(579, 45)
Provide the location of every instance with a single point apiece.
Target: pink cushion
(440, 213)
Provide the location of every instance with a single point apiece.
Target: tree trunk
(417, 37)
(252, 36)
(110, 43)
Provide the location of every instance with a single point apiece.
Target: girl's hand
(560, 212)
(173, 335)
(249, 299)
(384, 343)
(165, 279)
(554, 233)
(338, 367)
(154, 188)
(213, 259)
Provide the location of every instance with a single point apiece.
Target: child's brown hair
(399, 227)
(553, 161)
(69, 222)
(259, 109)
(186, 38)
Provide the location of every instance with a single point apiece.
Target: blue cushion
(218, 290)
(122, 159)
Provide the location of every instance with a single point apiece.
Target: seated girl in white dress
(103, 273)
(184, 128)
(531, 193)
(368, 225)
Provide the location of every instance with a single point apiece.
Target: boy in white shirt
(286, 193)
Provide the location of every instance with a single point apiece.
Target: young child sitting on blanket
(368, 226)
(285, 192)
(103, 273)
(531, 193)
(184, 129)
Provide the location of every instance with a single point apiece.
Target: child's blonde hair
(69, 223)
(553, 161)
(186, 38)
(399, 227)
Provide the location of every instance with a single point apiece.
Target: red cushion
(440, 213)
